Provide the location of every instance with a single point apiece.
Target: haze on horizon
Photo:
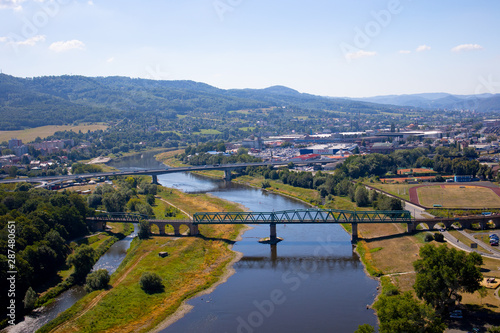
(330, 48)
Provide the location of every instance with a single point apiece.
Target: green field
(399, 190)
(31, 134)
(458, 197)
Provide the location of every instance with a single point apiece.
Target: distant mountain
(56, 100)
(432, 101)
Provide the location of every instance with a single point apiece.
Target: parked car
(456, 314)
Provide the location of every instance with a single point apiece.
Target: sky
(348, 48)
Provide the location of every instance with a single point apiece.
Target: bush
(438, 237)
(97, 280)
(151, 283)
(428, 238)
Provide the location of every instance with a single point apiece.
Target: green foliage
(365, 328)
(144, 230)
(30, 299)
(83, 258)
(493, 329)
(361, 196)
(150, 199)
(79, 168)
(151, 283)
(265, 184)
(438, 237)
(443, 273)
(428, 238)
(97, 280)
(171, 211)
(403, 313)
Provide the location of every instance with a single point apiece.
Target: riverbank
(193, 265)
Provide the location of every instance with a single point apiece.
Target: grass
(398, 190)
(31, 134)
(246, 129)
(204, 131)
(458, 197)
(193, 265)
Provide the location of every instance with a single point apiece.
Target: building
(328, 149)
(304, 158)
(382, 147)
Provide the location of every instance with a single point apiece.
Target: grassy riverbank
(193, 265)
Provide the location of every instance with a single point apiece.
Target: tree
(30, 299)
(143, 230)
(361, 196)
(403, 313)
(365, 328)
(97, 280)
(82, 259)
(13, 172)
(442, 274)
(151, 283)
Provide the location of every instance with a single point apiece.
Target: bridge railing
(302, 216)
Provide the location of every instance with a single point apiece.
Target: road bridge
(154, 173)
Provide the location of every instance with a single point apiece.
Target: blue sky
(334, 48)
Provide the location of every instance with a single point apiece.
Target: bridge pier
(154, 179)
(272, 236)
(193, 230)
(354, 236)
(227, 175)
(161, 229)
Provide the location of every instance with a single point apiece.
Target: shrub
(428, 238)
(97, 280)
(438, 237)
(151, 283)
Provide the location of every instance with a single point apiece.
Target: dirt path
(96, 300)
(171, 204)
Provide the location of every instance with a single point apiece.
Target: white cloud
(360, 54)
(4, 39)
(466, 47)
(404, 51)
(63, 46)
(11, 4)
(422, 48)
(90, 2)
(30, 41)
(111, 59)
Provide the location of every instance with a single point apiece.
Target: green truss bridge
(305, 216)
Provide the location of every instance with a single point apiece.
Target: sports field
(31, 134)
(458, 196)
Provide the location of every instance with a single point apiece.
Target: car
(494, 236)
(457, 314)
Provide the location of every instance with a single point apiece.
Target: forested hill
(57, 100)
